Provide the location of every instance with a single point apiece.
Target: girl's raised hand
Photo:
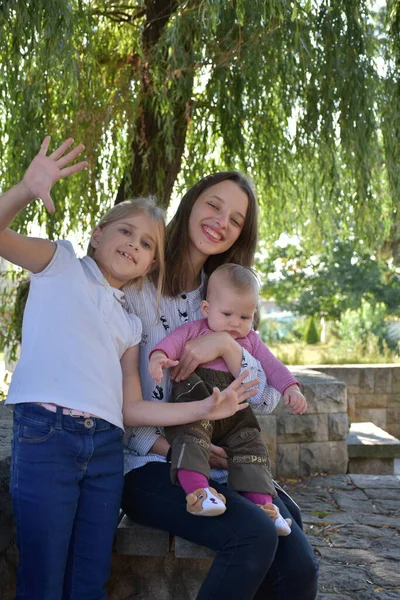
(233, 398)
(44, 171)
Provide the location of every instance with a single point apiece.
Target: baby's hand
(295, 399)
(158, 362)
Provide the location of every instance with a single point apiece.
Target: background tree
(331, 282)
(303, 95)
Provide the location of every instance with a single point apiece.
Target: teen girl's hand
(295, 399)
(44, 171)
(202, 349)
(159, 361)
(232, 399)
(218, 457)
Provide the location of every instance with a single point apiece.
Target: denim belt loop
(59, 417)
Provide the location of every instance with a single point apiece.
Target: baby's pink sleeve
(173, 344)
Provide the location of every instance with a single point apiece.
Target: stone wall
(300, 445)
(373, 393)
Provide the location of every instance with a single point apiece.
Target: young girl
(230, 305)
(216, 222)
(80, 346)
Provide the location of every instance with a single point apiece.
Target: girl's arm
(138, 412)
(206, 348)
(44, 171)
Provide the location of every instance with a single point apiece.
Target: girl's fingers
(73, 169)
(171, 363)
(246, 395)
(48, 202)
(61, 149)
(237, 383)
(184, 366)
(244, 387)
(64, 160)
(218, 451)
(186, 370)
(242, 406)
(44, 146)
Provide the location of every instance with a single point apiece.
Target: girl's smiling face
(216, 220)
(125, 249)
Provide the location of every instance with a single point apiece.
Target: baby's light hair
(242, 280)
(239, 278)
(148, 207)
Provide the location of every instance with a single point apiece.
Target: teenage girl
(215, 223)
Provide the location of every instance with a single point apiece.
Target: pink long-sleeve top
(278, 375)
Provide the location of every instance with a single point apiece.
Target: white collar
(97, 273)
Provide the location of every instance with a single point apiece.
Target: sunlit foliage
(304, 95)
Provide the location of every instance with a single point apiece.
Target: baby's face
(228, 310)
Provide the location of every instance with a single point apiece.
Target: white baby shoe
(282, 525)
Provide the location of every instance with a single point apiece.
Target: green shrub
(311, 335)
(366, 328)
(296, 357)
(367, 352)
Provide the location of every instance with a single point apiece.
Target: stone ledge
(186, 549)
(134, 539)
(366, 440)
(138, 540)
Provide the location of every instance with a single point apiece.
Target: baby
(232, 298)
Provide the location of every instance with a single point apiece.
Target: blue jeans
(251, 563)
(66, 484)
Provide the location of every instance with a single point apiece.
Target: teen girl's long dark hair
(177, 234)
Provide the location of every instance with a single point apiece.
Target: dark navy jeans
(251, 562)
(66, 484)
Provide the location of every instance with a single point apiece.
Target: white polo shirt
(75, 331)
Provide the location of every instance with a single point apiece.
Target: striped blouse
(157, 322)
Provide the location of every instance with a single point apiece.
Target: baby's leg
(190, 451)
(248, 466)
(202, 500)
(264, 501)
(259, 499)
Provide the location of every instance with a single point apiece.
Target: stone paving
(353, 523)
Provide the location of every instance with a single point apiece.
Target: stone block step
(138, 540)
(371, 450)
(366, 440)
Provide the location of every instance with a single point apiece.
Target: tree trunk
(153, 170)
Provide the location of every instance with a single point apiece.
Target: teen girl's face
(216, 220)
(125, 249)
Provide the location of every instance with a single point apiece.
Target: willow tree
(303, 95)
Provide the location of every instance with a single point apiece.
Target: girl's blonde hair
(148, 207)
